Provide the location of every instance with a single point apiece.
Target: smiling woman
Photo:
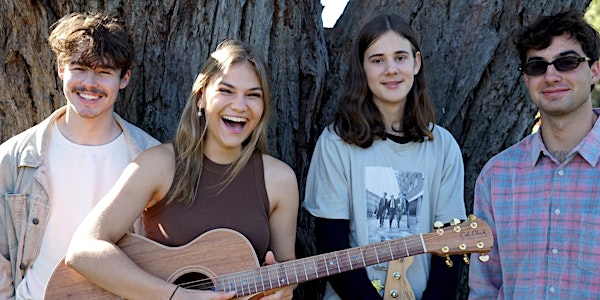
(216, 174)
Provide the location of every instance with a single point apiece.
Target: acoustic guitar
(224, 260)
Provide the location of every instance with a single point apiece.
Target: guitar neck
(310, 268)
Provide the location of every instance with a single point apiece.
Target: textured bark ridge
(467, 51)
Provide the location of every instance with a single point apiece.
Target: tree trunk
(467, 50)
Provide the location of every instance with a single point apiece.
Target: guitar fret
(315, 267)
(406, 247)
(305, 272)
(325, 262)
(228, 284)
(376, 253)
(391, 251)
(362, 255)
(269, 274)
(295, 272)
(423, 242)
(238, 284)
(283, 280)
(356, 257)
(256, 276)
(338, 262)
(262, 280)
(385, 254)
(349, 259)
(244, 284)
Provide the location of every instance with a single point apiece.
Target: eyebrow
(96, 66)
(258, 88)
(381, 54)
(566, 53)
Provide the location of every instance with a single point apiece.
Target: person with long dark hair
(384, 140)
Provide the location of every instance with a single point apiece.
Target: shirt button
(554, 251)
(557, 211)
(35, 221)
(551, 289)
(561, 173)
(22, 266)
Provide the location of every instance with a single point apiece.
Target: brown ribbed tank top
(242, 206)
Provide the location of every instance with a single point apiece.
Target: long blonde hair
(189, 139)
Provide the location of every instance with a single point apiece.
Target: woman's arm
(93, 252)
(282, 190)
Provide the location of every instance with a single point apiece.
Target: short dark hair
(539, 35)
(96, 38)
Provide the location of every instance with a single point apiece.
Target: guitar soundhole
(195, 281)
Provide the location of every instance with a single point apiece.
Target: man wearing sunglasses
(541, 196)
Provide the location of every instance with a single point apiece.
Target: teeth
(88, 96)
(234, 119)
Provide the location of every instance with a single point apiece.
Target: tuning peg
(438, 225)
(449, 262)
(472, 217)
(484, 258)
(466, 258)
(454, 221)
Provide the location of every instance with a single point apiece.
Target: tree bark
(467, 49)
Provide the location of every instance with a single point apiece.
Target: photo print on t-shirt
(394, 201)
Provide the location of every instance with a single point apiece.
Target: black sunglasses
(563, 64)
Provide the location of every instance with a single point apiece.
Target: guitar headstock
(471, 236)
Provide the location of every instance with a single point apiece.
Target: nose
(552, 74)
(239, 103)
(391, 67)
(89, 78)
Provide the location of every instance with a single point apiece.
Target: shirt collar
(537, 147)
(588, 148)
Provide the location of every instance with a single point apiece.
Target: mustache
(93, 91)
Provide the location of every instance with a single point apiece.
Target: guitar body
(216, 252)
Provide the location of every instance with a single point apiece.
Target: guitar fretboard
(306, 269)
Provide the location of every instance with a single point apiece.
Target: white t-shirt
(349, 182)
(79, 177)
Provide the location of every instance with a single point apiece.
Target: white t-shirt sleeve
(327, 183)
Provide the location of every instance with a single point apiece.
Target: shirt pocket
(16, 206)
(589, 244)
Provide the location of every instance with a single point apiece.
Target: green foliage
(592, 15)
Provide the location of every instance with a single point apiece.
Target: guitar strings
(305, 269)
(270, 277)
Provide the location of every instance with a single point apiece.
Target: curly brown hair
(94, 39)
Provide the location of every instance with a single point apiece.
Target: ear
(200, 102)
(595, 69)
(61, 70)
(125, 79)
(417, 67)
